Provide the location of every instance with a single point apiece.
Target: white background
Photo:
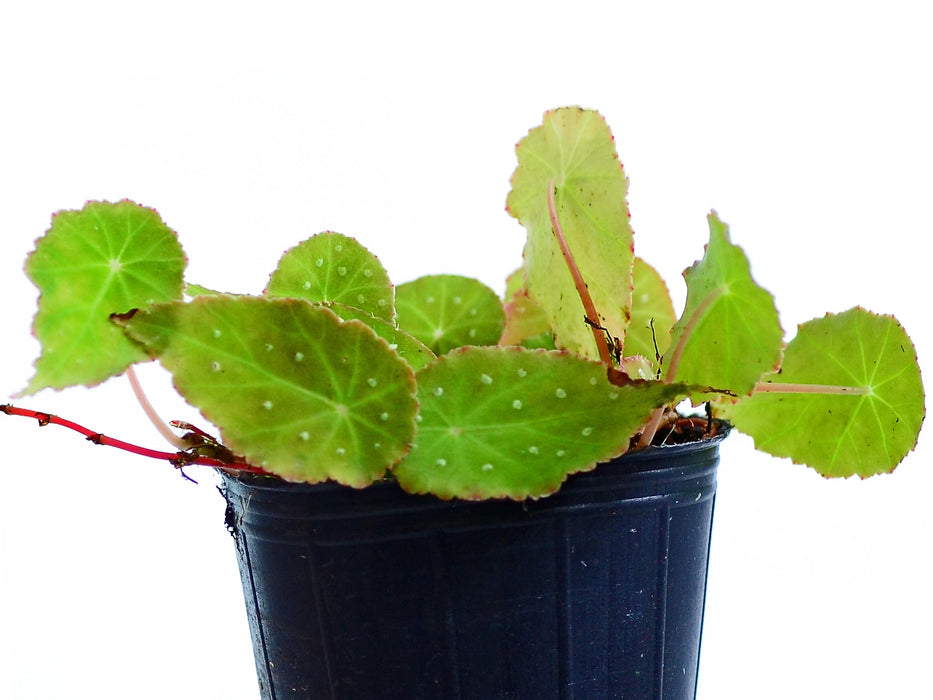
(807, 126)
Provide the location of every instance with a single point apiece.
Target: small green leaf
(293, 389)
(334, 267)
(104, 259)
(410, 349)
(729, 333)
(848, 399)
(652, 314)
(506, 422)
(525, 321)
(447, 311)
(573, 151)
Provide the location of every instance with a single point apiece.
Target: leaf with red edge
(508, 422)
(293, 389)
(573, 154)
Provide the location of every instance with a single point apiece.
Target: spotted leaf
(409, 348)
(508, 422)
(447, 311)
(334, 267)
(293, 389)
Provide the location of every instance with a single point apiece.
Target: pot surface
(594, 592)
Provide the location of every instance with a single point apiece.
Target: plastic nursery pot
(594, 592)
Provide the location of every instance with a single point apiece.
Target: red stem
(177, 459)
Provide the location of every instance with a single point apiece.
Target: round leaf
(847, 400)
(293, 389)
(447, 311)
(334, 267)
(104, 259)
(499, 422)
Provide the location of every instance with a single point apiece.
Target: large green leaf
(293, 389)
(334, 267)
(573, 152)
(729, 334)
(507, 422)
(103, 259)
(447, 311)
(847, 400)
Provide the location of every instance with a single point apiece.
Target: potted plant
(410, 472)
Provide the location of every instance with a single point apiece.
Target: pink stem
(150, 412)
(589, 308)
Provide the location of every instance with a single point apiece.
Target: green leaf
(848, 399)
(410, 349)
(293, 389)
(103, 259)
(334, 267)
(729, 333)
(506, 422)
(447, 311)
(652, 314)
(196, 290)
(525, 321)
(573, 151)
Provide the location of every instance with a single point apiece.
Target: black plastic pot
(594, 592)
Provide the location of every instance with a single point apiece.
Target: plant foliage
(334, 374)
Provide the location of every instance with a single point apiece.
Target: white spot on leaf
(485, 379)
(516, 404)
(560, 393)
